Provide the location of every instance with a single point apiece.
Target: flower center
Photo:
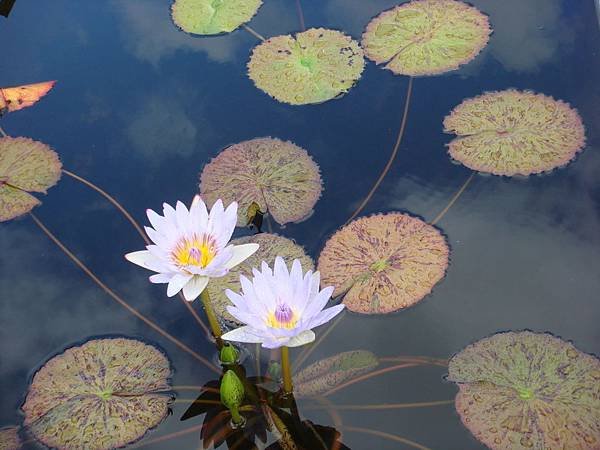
(282, 317)
(195, 251)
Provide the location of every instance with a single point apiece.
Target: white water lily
(190, 247)
(280, 308)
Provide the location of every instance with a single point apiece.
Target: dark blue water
(140, 107)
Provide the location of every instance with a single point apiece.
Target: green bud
(228, 355)
(232, 395)
(274, 370)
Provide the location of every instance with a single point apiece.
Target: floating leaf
(426, 37)
(15, 98)
(514, 133)
(103, 394)
(524, 390)
(312, 67)
(270, 246)
(327, 373)
(279, 177)
(25, 166)
(9, 438)
(386, 262)
(207, 17)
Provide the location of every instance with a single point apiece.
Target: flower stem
(212, 317)
(287, 370)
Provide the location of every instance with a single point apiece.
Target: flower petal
(325, 316)
(177, 283)
(194, 287)
(243, 334)
(303, 338)
(199, 215)
(318, 302)
(240, 254)
(160, 278)
(146, 260)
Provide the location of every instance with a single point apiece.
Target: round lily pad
(206, 17)
(385, 262)
(514, 133)
(313, 66)
(25, 166)
(426, 37)
(9, 438)
(270, 246)
(525, 390)
(278, 176)
(327, 373)
(103, 394)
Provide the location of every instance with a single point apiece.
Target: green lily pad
(9, 438)
(426, 37)
(103, 394)
(207, 17)
(327, 373)
(25, 166)
(525, 390)
(384, 263)
(270, 246)
(279, 177)
(311, 67)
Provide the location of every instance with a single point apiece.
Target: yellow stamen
(195, 251)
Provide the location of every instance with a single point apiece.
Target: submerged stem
(381, 406)
(392, 156)
(300, 15)
(391, 437)
(3, 133)
(367, 376)
(287, 370)
(311, 348)
(212, 317)
(119, 300)
(253, 33)
(453, 199)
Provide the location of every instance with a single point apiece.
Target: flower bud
(232, 395)
(228, 355)
(274, 370)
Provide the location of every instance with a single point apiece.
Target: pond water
(140, 107)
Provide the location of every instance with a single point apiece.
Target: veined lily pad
(212, 16)
(312, 67)
(514, 133)
(19, 97)
(327, 373)
(270, 246)
(385, 262)
(426, 37)
(525, 390)
(103, 394)
(9, 438)
(280, 177)
(25, 166)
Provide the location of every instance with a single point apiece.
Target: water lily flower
(280, 308)
(190, 247)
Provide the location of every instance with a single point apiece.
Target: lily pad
(270, 246)
(9, 438)
(25, 166)
(524, 390)
(385, 262)
(19, 97)
(280, 177)
(206, 17)
(514, 133)
(327, 373)
(313, 66)
(103, 394)
(426, 37)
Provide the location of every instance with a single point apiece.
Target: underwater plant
(523, 390)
